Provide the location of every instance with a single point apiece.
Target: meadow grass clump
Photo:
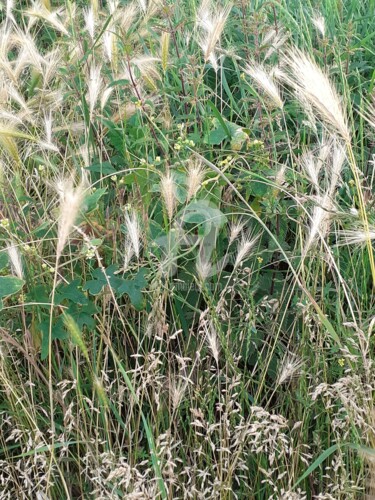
(187, 223)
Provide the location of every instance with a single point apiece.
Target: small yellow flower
(260, 259)
(351, 182)
(341, 362)
(114, 178)
(4, 223)
(177, 147)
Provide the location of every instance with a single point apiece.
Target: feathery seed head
(244, 248)
(266, 82)
(355, 236)
(211, 25)
(319, 23)
(15, 259)
(89, 18)
(133, 231)
(40, 11)
(194, 179)
(94, 86)
(71, 199)
(310, 80)
(168, 192)
(289, 368)
(235, 230)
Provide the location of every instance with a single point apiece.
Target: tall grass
(187, 222)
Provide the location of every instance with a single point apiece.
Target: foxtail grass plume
(15, 259)
(168, 192)
(94, 87)
(289, 368)
(126, 17)
(320, 220)
(265, 81)
(307, 78)
(356, 237)
(319, 23)
(211, 25)
(164, 49)
(143, 5)
(274, 40)
(133, 232)
(71, 199)
(95, 7)
(108, 42)
(203, 268)
(89, 18)
(194, 179)
(336, 165)
(40, 11)
(142, 69)
(212, 340)
(311, 166)
(9, 11)
(235, 229)
(244, 248)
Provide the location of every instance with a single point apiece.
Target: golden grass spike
(164, 42)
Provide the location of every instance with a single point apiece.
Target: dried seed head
(71, 199)
(266, 82)
(94, 86)
(289, 368)
(40, 11)
(211, 25)
(194, 179)
(133, 232)
(164, 49)
(15, 259)
(355, 236)
(244, 248)
(320, 220)
(319, 23)
(307, 78)
(168, 192)
(89, 18)
(235, 230)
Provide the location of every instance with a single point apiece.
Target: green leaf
(9, 285)
(216, 136)
(4, 259)
(99, 281)
(84, 315)
(327, 453)
(104, 168)
(133, 288)
(58, 332)
(71, 292)
(91, 201)
(204, 215)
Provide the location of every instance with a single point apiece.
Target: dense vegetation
(187, 227)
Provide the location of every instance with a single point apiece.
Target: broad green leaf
(104, 168)
(91, 201)
(10, 285)
(133, 288)
(71, 292)
(4, 260)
